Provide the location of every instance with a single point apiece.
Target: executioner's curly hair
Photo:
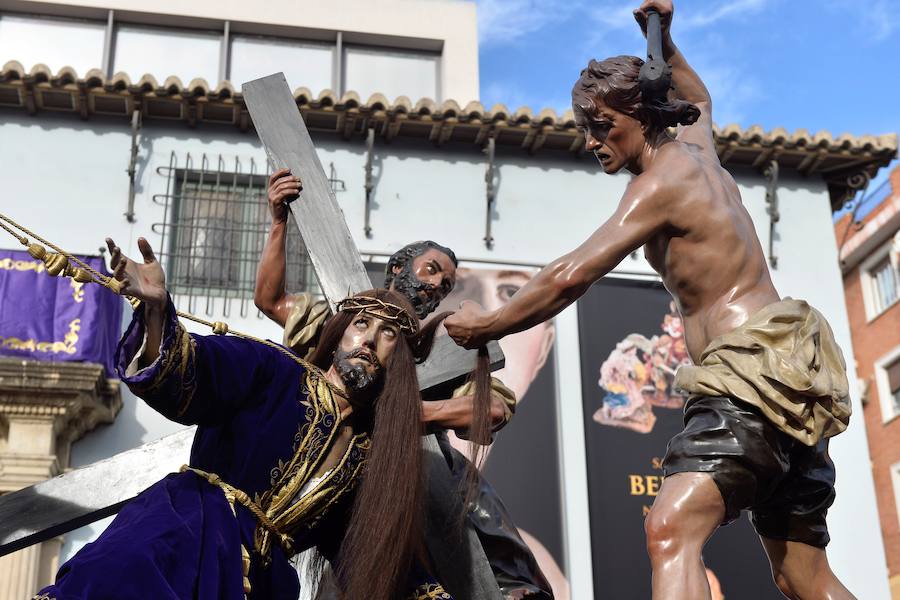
(615, 82)
(385, 529)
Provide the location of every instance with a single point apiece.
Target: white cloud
(732, 91)
(724, 10)
(617, 16)
(877, 19)
(505, 21)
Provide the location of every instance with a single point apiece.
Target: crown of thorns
(382, 310)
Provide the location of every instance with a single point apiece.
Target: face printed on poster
(524, 455)
(526, 352)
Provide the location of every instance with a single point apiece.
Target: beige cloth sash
(784, 361)
(304, 323)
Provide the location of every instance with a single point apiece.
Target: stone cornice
(78, 396)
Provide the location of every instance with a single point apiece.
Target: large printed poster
(631, 344)
(523, 462)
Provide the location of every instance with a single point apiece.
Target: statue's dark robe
(265, 420)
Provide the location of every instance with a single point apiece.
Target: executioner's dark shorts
(787, 485)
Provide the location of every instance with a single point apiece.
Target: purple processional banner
(56, 318)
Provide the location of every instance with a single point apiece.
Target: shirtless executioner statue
(767, 386)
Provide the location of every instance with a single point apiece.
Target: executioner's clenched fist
(145, 281)
(665, 9)
(466, 326)
(283, 189)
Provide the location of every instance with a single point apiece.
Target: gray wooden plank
(448, 361)
(321, 222)
(283, 133)
(80, 497)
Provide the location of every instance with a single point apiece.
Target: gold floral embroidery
(44, 597)
(38, 266)
(9, 264)
(282, 503)
(430, 591)
(77, 291)
(66, 346)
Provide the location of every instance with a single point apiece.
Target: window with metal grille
(885, 285)
(216, 221)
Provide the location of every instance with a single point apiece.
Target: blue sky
(813, 64)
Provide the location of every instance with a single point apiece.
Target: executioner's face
(363, 351)
(610, 112)
(616, 139)
(425, 280)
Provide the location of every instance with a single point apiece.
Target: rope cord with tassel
(58, 265)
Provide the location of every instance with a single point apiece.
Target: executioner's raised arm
(686, 83)
(639, 215)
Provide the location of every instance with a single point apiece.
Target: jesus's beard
(361, 384)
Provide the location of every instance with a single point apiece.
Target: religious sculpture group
(316, 445)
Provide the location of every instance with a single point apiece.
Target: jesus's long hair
(385, 531)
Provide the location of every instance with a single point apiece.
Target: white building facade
(109, 117)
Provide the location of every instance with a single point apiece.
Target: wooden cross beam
(463, 569)
(321, 222)
(59, 505)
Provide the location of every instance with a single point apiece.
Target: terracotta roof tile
(838, 159)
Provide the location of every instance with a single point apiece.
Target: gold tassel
(245, 563)
(37, 251)
(57, 264)
(115, 285)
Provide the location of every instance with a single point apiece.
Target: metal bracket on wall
(490, 191)
(771, 174)
(853, 198)
(337, 185)
(132, 163)
(370, 184)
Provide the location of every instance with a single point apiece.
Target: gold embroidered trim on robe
(177, 360)
(282, 505)
(784, 361)
(430, 591)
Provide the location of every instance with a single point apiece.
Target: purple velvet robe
(263, 418)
